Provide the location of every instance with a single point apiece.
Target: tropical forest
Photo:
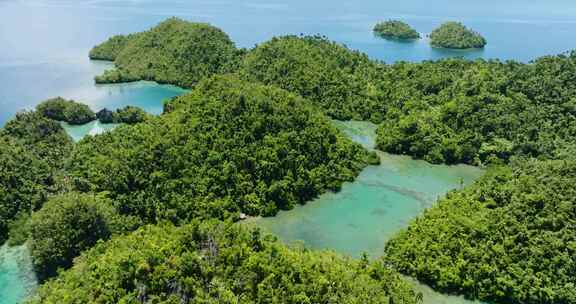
(167, 206)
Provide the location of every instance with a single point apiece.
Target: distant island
(176, 52)
(395, 29)
(454, 35)
(145, 213)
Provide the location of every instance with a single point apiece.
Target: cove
(366, 213)
(17, 279)
(77, 132)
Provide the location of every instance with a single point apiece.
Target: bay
(368, 212)
(77, 132)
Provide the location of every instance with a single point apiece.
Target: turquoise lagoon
(366, 213)
(17, 279)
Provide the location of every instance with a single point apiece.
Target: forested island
(395, 29)
(454, 35)
(254, 137)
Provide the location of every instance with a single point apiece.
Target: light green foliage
(176, 52)
(395, 29)
(510, 238)
(229, 146)
(455, 35)
(340, 81)
(67, 225)
(218, 263)
(69, 111)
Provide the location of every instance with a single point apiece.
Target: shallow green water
(17, 280)
(368, 212)
(77, 132)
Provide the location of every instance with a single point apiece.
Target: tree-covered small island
(134, 214)
(454, 35)
(70, 111)
(395, 29)
(175, 51)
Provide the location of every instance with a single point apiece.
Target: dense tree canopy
(67, 225)
(175, 51)
(32, 148)
(22, 182)
(218, 263)
(111, 48)
(510, 238)
(340, 81)
(454, 110)
(43, 137)
(128, 115)
(69, 111)
(395, 29)
(454, 35)
(258, 141)
(229, 146)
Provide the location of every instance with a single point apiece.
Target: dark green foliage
(176, 52)
(23, 178)
(395, 29)
(69, 111)
(510, 238)
(67, 225)
(105, 116)
(128, 115)
(229, 146)
(455, 111)
(111, 48)
(218, 263)
(32, 148)
(43, 137)
(455, 35)
(340, 81)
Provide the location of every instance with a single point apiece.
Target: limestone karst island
(295, 152)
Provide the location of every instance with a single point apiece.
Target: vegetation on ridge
(510, 238)
(32, 148)
(60, 109)
(236, 145)
(229, 146)
(175, 51)
(67, 225)
(339, 81)
(219, 263)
